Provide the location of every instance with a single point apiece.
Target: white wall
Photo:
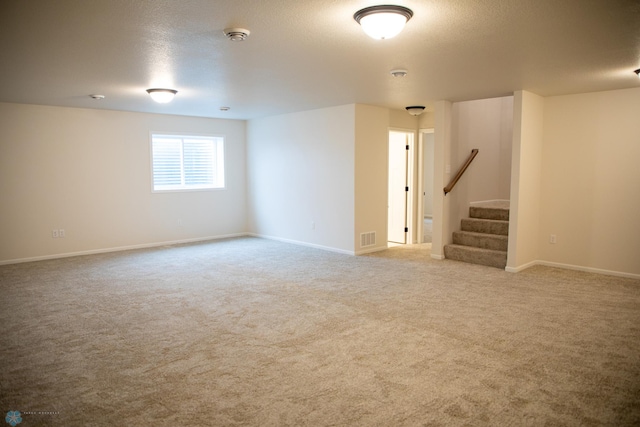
(528, 124)
(590, 188)
(300, 170)
(88, 172)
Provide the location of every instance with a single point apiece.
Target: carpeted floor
(427, 230)
(261, 333)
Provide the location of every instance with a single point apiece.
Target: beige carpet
(427, 230)
(262, 333)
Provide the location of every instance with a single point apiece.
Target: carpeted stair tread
(489, 213)
(483, 238)
(496, 242)
(475, 255)
(489, 226)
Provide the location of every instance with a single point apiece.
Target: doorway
(426, 152)
(401, 191)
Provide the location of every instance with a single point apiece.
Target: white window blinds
(187, 162)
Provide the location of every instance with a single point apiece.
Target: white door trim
(420, 187)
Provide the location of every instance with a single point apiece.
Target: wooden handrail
(462, 170)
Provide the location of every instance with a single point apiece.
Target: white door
(397, 227)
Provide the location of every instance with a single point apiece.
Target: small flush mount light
(225, 108)
(637, 72)
(384, 21)
(162, 96)
(415, 110)
(236, 34)
(398, 73)
(96, 96)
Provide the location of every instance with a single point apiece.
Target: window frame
(187, 135)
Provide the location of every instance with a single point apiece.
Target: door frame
(411, 181)
(420, 184)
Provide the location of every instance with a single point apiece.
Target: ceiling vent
(236, 34)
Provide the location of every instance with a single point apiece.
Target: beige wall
(427, 179)
(426, 120)
(401, 119)
(590, 187)
(442, 227)
(88, 172)
(528, 124)
(300, 170)
(371, 169)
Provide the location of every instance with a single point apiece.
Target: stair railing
(462, 170)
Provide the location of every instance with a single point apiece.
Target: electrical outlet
(61, 233)
(552, 239)
(55, 234)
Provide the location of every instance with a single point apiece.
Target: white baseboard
(297, 242)
(371, 250)
(519, 268)
(590, 269)
(573, 267)
(120, 248)
(438, 257)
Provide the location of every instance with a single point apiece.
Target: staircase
(484, 236)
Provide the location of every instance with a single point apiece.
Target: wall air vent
(367, 239)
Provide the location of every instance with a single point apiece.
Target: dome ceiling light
(398, 73)
(384, 21)
(415, 110)
(162, 96)
(637, 72)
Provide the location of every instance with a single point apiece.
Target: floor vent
(367, 239)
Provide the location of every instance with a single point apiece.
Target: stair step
(473, 255)
(501, 214)
(496, 242)
(488, 226)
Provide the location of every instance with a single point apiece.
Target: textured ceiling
(308, 54)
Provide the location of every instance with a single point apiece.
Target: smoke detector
(236, 34)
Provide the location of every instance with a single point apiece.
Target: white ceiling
(306, 54)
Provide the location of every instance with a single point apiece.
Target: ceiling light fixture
(637, 72)
(236, 34)
(398, 73)
(96, 96)
(162, 96)
(415, 110)
(384, 21)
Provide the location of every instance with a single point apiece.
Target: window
(187, 162)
